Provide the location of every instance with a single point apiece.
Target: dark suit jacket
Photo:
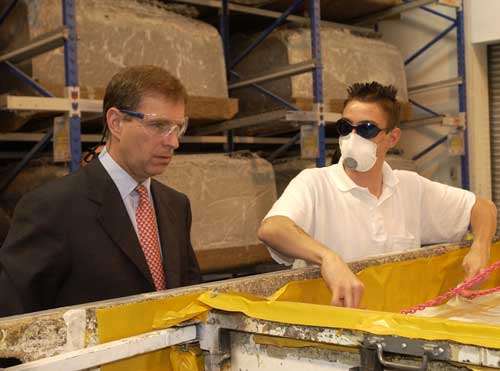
(72, 241)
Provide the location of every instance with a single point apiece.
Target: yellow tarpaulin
(122, 321)
(388, 289)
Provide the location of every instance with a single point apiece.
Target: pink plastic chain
(462, 290)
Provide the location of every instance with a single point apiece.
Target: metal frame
(66, 37)
(314, 66)
(460, 81)
(214, 339)
(112, 351)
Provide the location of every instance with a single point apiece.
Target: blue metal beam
(315, 14)
(266, 32)
(430, 148)
(284, 147)
(224, 32)
(11, 175)
(424, 108)
(7, 10)
(462, 97)
(28, 80)
(439, 14)
(431, 43)
(38, 147)
(270, 94)
(71, 75)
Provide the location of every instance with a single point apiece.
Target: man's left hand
(476, 259)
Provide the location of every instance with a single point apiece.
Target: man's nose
(171, 140)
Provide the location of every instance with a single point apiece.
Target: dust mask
(358, 153)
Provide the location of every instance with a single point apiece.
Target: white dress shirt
(126, 186)
(347, 218)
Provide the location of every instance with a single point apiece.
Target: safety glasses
(366, 128)
(158, 125)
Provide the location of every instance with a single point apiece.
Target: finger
(357, 296)
(339, 302)
(349, 297)
(338, 298)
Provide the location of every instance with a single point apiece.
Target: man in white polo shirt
(361, 207)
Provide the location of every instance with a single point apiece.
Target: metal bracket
(214, 340)
(410, 347)
(451, 3)
(306, 117)
(458, 121)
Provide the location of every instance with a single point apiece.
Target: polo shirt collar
(345, 184)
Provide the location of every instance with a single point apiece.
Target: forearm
(483, 222)
(283, 235)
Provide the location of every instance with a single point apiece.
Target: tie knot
(142, 191)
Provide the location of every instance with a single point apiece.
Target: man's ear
(394, 136)
(114, 122)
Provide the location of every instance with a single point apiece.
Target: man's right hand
(347, 290)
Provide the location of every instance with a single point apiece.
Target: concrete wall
(484, 18)
(411, 32)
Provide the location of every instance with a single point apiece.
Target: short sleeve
(296, 203)
(445, 213)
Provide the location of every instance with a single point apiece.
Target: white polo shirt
(347, 218)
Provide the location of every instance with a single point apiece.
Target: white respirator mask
(358, 153)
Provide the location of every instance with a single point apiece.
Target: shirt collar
(345, 184)
(124, 182)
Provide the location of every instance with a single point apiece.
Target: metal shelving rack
(290, 111)
(318, 116)
(73, 105)
(66, 37)
(457, 121)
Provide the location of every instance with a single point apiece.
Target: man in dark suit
(108, 230)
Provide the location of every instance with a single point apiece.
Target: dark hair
(129, 86)
(373, 92)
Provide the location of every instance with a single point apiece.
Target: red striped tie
(148, 237)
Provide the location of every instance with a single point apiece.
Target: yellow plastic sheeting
(389, 287)
(379, 323)
(294, 343)
(395, 286)
(133, 319)
(190, 359)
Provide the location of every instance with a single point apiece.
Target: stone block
(346, 59)
(229, 198)
(113, 34)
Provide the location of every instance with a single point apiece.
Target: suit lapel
(114, 218)
(168, 228)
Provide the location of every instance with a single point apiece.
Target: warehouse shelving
(63, 36)
(73, 105)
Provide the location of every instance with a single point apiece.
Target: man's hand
(484, 223)
(476, 259)
(347, 289)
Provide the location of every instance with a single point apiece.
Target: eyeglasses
(366, 128)
(159, 125)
